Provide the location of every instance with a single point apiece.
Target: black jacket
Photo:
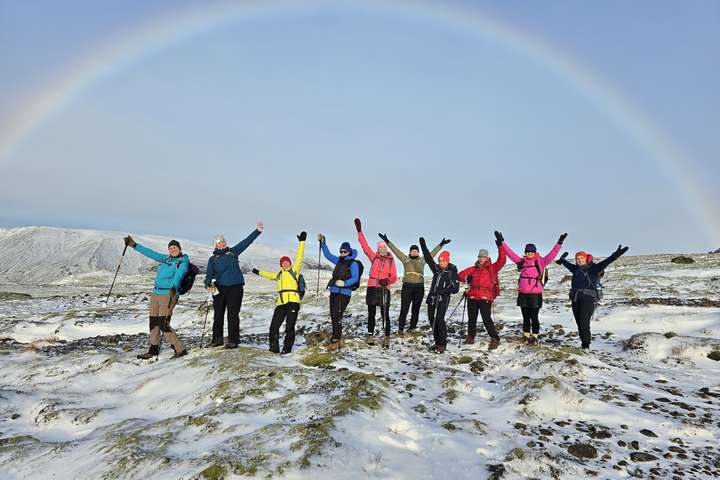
(444, 282)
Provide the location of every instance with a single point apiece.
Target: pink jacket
(529, 281)
(380, 267)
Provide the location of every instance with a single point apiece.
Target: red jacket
(485, 285)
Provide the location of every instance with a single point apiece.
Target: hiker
(165, 294)
(444, 283)
(345, 279)
(413, 283)
(484, 288)
(584, 293)
(530, 284)
(290, 292)
(383, 273)
(223, 267)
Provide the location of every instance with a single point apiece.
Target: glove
(321, 238)
(172, 292)
(256, 271)
(559, 261)
(383, 237)
(499, 239)
(339, 283)
(260, 226)
(130, 242)
(302, 237)
(384, 282)
(562, 238)
(358, 225)
(444, 241)
(469, 279)
(621, 250)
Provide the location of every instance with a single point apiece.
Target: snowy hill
(75, 403)
(45, 255)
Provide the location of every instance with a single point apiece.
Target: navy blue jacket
(587, 277)
(223, 266)
(354, 270)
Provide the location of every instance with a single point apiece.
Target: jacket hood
(353, 254)
(219, 251)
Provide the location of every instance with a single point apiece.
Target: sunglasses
(344, 251)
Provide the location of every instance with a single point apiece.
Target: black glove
(256, 271)
(383, 237)
(321, 238)
(559, 261)
(302, 237)
(384, 282)
(499, 239)
(444, 241)
(358, 225)
(469, 279)
(130, 242)
(562, 238)
(621, 250)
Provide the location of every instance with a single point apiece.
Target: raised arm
(600, 266)
(243, 245)
(547, 259)
(182, 269)
(427, 256)
(300, 252)
(326, 251)
(512, 255)
(268, 275)
(501, 260)
(366, 248)
(570, 266)
(437, 248)
(152, 254)
(398, 253)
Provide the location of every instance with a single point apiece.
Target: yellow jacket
(286, 284)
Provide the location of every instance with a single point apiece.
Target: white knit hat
(219, 239)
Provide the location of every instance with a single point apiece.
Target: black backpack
(189, 279)
(543, 275)
(300, 280)
(361, 269)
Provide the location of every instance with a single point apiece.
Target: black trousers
(411, 296)
(583, 310)
(436, 315)
(384, 313)
(338, 304)
(485, 309)
(229, 298)
(531, 319)
(287, 313)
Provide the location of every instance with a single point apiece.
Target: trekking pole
(116, 274)
(207, 311)
(317, 295)
(456, 307)
(462, 322)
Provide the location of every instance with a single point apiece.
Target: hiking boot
(333, 345)
(386, 342)
(401, 334)
(469, 340)
(432, 347)
(370, 339)
(231, 345)
(180, 354)
(494, 343)
(532, 340)
(154, 351)
(440, 349)
(217, 343)
(285, 351)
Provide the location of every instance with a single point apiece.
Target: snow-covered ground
(76, 403)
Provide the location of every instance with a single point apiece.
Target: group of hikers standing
(224, 280)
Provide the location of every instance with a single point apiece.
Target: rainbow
(158, 34)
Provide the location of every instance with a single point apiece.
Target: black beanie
(414, 247)
(175, 243)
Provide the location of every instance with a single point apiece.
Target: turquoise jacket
(170, 272)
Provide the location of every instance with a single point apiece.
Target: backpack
(299, 279)
(543, 275)
(189, 279)
(361, 269)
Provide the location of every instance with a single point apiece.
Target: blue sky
(308, 119)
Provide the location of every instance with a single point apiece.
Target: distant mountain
(42, 255)
(715, 251)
